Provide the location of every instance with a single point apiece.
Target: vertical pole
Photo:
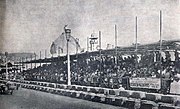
(136, 44)
(26, 64)
(22, 64)
(160, 33)
(31, 61)
(15, 73)
(58, 51)
(68, 59)
(87, 44)
(100, 64)
(116, 44)
(35, 59)
(45, 54)
(40, 58)
(68, 31)
(77, 41)
(6, 66)
(100, 40)
(91, 47)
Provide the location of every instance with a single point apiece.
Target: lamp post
(6, 54)
(68, 35)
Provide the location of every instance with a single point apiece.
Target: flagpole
(22, 63)
(87, 44)
(45, 56)
(100, 69)
(58, 52)
(35, 60)
(26, 64)
(31, 61)
(100, 40)
(40, 58)
(136, 45)
(77, 41)
(6, 54)
(116, 44)
(160, 34)
(45, 53)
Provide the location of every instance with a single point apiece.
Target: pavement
(31, 99)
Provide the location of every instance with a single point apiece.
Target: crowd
(105, 70)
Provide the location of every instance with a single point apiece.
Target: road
(31, 99)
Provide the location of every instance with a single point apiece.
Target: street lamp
(68, 35)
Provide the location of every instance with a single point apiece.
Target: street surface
(30, 99)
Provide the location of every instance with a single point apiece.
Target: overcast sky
(32, 25)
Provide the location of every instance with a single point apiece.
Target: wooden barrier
(96, 98)
(118, 101)
(73, 87)
(94, 90)
(124, 98)
(152, 97)
(109, 100)
(167, 106)
(168, 99)
(112, 92)
(101, 91)
(125, 93)
(77, 94)
(87, 97)
(129, 103)
(79, 88)
(148, 105)
(137, 95)
(69, 87)
(73, 94)
(82, 95)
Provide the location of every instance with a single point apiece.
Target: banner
(175, 87)
(148, 83)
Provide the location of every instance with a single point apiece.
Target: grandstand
(102, 75)
(98, 68)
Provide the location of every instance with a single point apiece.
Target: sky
(32, 25)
